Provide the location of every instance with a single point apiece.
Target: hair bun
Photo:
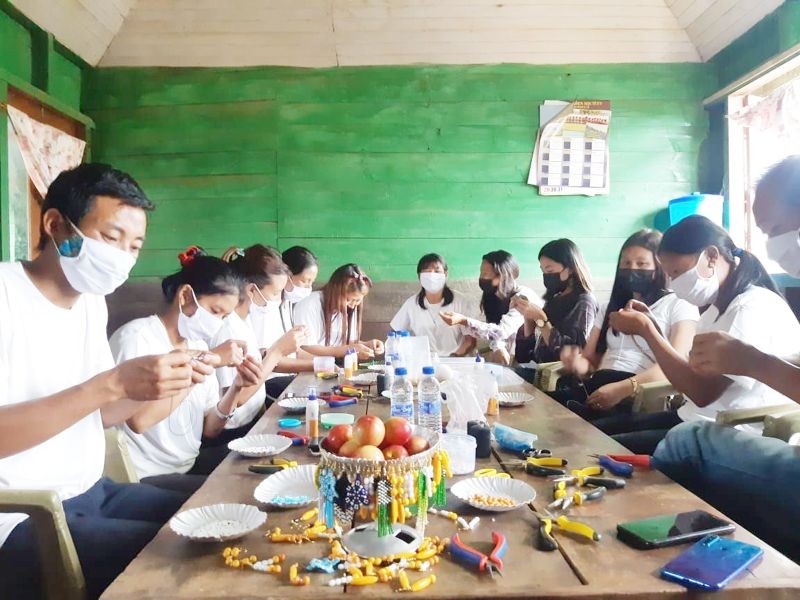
(187, 257)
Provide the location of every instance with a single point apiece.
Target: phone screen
(711, 563)
(660, 530)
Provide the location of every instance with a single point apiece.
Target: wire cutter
(635, 460)
(546, 466)
(616, 467)
(473, 558)
(297, 439)
(548, 542)
(491, 473)
(536, 453)
(272, 467)
(589, 476)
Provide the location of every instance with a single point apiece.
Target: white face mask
(297, 293)
(202, 325)
(99, 268)
(263, 308)
(432, 282)
(694, 288)
(784, 249)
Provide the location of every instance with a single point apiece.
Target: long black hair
(567, 253)
(207, 275)
(695, 233)
(427, 261)
(495, 305)
(649, 239)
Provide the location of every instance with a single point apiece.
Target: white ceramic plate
(296, 483)
(513, 398)
(514, 489)
(364, 379)
(257, 446)
(217, 522)
(387, 394)
(294, 405)
(378, 368)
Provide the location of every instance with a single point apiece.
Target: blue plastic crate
(708, 205)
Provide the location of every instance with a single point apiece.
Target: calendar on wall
(571, 153)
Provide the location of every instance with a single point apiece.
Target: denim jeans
(110, 523)
(754, 480)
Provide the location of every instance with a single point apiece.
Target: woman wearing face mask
(303, 269)
(420, 313)
(164, 436)
(601, 378)
(707, 269)
(569, 310)
(259, 315)
(333, 315)
(498, 282)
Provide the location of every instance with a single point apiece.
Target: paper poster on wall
(571, 154)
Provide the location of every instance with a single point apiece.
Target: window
(763, 129)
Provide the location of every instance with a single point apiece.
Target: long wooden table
(171, 567)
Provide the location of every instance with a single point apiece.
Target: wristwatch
(541, 322)
(221, 414)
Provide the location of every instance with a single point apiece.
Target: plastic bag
(513, 440)
(462, 403)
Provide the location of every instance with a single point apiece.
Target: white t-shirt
(762, 319)
(172, 444)
(46, 349)
(308, 312)
(236, 328)
(272, 324)
(630, 353)
(443, 339)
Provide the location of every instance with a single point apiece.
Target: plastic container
(312, 417)
(402, 396)
(461, 448)
(429, 401)
(324, 364)
(708, 205)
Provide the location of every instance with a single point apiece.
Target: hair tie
(737, 252)
(186, 258)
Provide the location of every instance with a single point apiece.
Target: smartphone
(670, 530)
(711, 563)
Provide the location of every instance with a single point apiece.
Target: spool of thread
(483, 438)
(381, 383)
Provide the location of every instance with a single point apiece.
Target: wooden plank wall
(380, 165)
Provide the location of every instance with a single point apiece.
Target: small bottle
(493, 408)
(429, 398)
(402, 349)
(390, 346)
(388, 372)
(348, 363)
(402, 401)
(312, 417)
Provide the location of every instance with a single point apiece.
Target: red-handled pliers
(473, 558)
(297, 439)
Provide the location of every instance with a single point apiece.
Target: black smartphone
(670, 530)
(711, 563)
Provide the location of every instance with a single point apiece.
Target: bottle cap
(405, 334)
(427, 371)
(391, 334)
(401, 371)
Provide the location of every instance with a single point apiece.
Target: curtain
(46, 151)
(779, 112)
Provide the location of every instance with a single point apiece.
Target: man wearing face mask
(751, 478)
(60, 386)
(420, 313)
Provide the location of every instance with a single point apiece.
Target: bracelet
(221, 414)
(634, 385)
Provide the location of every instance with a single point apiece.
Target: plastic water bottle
(388, 372)
(430, 401)
(390, 347)
(402, 396)
(402, 348)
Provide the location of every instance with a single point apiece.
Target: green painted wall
(379, 165)
(775, 33)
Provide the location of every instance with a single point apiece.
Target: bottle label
(405, 410)
(428, 407)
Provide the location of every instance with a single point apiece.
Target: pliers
(547, 541)
(297, 439)
(536, 453)
(546, 466)
(589, 476)
(273, 466)
(478, 560)
(344, 390)
(624, 468)
(491, 473)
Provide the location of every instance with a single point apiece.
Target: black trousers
(573, 393)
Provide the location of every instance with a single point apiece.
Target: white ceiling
(322, 33)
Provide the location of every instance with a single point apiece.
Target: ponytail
(207, 275)
(748, 271)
